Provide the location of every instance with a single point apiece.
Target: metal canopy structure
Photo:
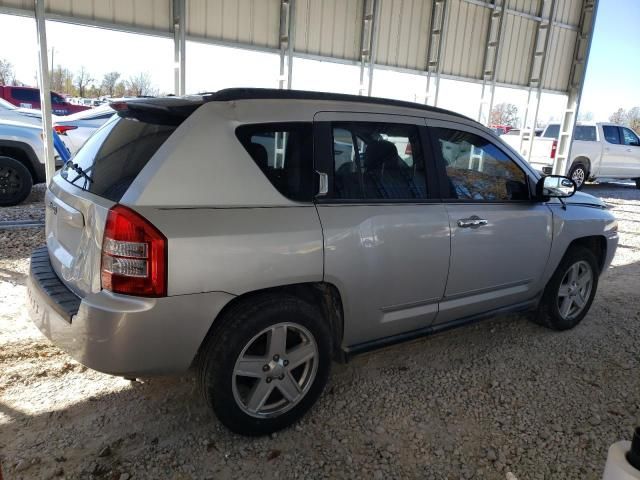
(539, 45)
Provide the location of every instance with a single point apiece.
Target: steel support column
(439, 15)
(537, 65)
(576, 83)
(491, 61)
(287, 32)
(45, 91)
(179, 45)
(368, 44)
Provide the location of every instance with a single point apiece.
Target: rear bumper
(119, 334)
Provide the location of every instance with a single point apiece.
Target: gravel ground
(500, 399)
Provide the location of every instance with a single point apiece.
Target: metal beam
(368, 44)
(437, 34)
(45, 91)
(491, 61)
(179, 45)
(576, 83)
(287, 32)
(537, 65)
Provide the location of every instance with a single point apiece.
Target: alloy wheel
(275, 370)
(575, 289)
(10, 182)
(578, 176)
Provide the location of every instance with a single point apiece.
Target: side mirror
(555, 186)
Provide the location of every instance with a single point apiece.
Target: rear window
(552, 131)
(114, 156)
(284, 153)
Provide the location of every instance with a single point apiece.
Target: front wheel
(266, 365)
(578, 174)
(570, 291)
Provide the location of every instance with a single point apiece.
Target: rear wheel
(15, 182)
(266, 365)
(579, 174)
(570, 291)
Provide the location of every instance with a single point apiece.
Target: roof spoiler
(154, 112)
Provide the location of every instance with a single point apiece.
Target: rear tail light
(134, 255)
(554, 147)
(63, 129)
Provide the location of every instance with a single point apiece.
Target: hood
(20, 121)
(581, 198)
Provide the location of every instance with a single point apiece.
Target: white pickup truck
(599, 150)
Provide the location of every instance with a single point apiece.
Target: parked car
(217, 232)
(8, 111)
(76, 128)
(28, 97)
(22, 158)
(598, 150)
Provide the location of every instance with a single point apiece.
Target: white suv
(258, 234)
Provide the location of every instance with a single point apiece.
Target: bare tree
(109, 82)
(62, 81)
(618, 116)
(7, 74)
(83, 79)
(504, 114)
(633, 119)
(140, 84)
(120, 89)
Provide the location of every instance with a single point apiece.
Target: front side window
(478, 170)
(377, 161)
(611, 134)
(585, 133)
(284, 153)
(629, 137)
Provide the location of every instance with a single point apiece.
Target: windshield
(114, 155)
(4, 105)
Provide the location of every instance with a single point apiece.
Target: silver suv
(257, 235)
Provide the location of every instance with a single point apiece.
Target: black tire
(548, 313)
(580, 171)
(240, 324)
(15, 182)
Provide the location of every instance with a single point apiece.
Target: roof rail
(230, 94)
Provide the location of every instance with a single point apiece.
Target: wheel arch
(322, 295)
(23, 153)
(585, 161)
(597, 244)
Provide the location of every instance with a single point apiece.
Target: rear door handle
(472, 222)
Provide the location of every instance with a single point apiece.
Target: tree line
(82, 83)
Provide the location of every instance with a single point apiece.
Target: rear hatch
(81, 194)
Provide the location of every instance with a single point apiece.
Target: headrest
(379, 153)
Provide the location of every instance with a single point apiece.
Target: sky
(612, 74)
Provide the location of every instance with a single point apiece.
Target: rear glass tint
(585, 133)
(114, 156)
(552, 131)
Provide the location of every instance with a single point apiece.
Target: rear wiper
(78, 169)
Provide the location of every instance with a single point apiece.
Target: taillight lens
(554, 147)
(63, 129)
(134, 255)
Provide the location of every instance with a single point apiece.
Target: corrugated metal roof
(332, 29)
(329, 28)
(251, 22)
(466, 35)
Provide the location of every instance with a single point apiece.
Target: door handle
(472, 222)
(628, 149)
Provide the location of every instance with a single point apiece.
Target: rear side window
(585, 133)
(114, 156)
(284, 153)
(611, 134)
(378, 161)
(25, 94)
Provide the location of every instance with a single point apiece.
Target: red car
(28, 97)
